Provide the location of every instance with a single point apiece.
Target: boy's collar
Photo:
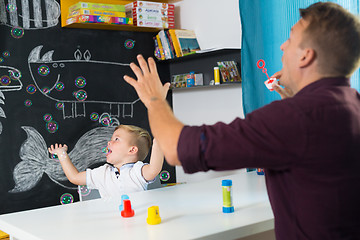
(126, 164)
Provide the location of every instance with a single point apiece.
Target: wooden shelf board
(105, 26)
(200, 55)
(206, 87)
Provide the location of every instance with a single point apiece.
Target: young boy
(128, 147)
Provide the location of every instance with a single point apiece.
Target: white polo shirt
(110, 183)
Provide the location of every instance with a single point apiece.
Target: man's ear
(133, 149)
(308, 56)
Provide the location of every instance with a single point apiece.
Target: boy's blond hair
(141, 137)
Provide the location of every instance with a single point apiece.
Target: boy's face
(120, 147)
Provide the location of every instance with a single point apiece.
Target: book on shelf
(187, 41)
(178, 81)
(157, 49)
(177, 42)
(173, 54)
(165, 43)
(229, 71)
(161, 49)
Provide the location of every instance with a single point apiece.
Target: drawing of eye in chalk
(32, 14)
(74, 83)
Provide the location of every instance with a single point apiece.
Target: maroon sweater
(309, 146)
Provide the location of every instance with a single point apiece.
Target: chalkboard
(61, 85)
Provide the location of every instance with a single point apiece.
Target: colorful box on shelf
(154, 24)
(84, 11)
(122, 21)
(97, 6)
(151, 11)
(147, 4)
(103, 19)
(142, 14)
(99, 19)
(81, 19)
(150, 17)
(143, 17)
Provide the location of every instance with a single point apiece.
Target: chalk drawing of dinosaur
(47, 75)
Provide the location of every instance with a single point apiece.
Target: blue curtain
(265, 26)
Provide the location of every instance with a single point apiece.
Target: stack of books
(87, 12)
(151, 14)
(172, 43)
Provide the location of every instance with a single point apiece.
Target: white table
(187, 211)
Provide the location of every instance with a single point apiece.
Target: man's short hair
(141, 138)
(334, 34)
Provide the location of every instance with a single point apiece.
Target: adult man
(308, 142)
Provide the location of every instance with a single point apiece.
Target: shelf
(203, 63)
(201, 55)
(65, 4)
(208, 87)
(104, 26)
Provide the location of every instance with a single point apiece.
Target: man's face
(292, 54)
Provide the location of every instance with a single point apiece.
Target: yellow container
(3, 235)
(217, 75)
(153, 215)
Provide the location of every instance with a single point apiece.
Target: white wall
(207, 106)
(217, 25)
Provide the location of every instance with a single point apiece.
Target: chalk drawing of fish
(36, 161)
(50, 77)
(29, 14)
(10, 81)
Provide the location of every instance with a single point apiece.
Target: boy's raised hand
(148, 85)
(58, 149)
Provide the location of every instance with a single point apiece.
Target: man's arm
(74, 176)
(164, 125)
(151, 170)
